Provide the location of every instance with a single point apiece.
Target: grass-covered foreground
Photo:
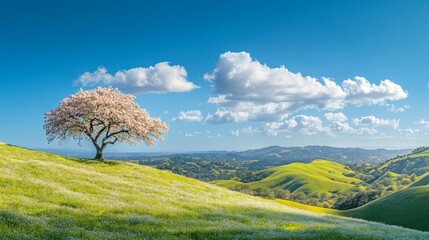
(46, 196)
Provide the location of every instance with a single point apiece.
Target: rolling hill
(221, 165)
(422, 181)
(408, 207)
(47, 196)
(319, 176)
(416, 162)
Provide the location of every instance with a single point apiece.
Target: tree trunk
(99, 155)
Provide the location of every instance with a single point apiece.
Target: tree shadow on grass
(93, 161)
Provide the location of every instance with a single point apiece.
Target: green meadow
(47, 196)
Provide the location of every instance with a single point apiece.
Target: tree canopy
(104, 116)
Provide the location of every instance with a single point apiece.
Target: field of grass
(227, 183)
(46, 196)
(308, 207)
(319, 176)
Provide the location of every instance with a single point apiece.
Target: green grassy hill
(319, 176)
(308, 207)
(422, 181)
(417, 162)
(46, 196)
(388, 175)
(220, 165)
(408, 207)
(227, 183)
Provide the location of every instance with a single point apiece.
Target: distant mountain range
(282, 155)
(269, 156)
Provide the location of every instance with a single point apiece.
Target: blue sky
(232, 69)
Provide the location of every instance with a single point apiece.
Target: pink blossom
(104, 116)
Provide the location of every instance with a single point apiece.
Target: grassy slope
(308, 207)
(422, 181)
(390, 175)
(408, 207)
(417, 163)
(227, 183)
(319, 176)
(51, 197)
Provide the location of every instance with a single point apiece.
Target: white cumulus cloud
(336, 123)
(189, 116)
(160, 78)
(373, 121)
(360, 91)
(246, 90)
(336, 117)
(339, 122)
(303, 124)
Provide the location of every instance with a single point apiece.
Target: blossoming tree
(104, 116)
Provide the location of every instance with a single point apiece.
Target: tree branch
(92, 139)
(91, 126)
(100, 132)
(110, 142)
(115, 133)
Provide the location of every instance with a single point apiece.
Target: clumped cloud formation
(360, 91)
(373, 121)
(247, 90)
(160, 78)
(303, 124)
(189, 116)
(336, 123)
